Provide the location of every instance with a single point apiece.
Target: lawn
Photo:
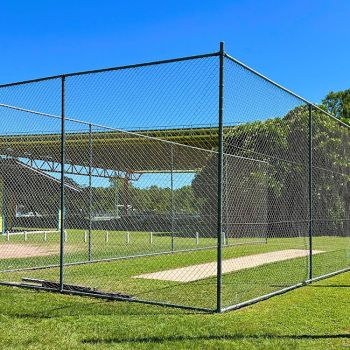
(119, 275)
(312, 317)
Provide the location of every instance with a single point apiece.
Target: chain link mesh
(330, 193)
(141, 195)
(266, 133)
(147, 217)
(30, 197)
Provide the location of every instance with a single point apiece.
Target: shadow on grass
(213, 337)
(106, 307)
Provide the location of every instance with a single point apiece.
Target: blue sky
(301, 44)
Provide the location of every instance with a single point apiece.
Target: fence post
(220, 179)
(310, 192)
(90, 194)
(62, 233)
(172, 196)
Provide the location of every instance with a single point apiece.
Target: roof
(144, 151)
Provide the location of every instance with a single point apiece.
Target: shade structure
(132, 152)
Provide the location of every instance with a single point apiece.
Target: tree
(338, 104)
(267, 176)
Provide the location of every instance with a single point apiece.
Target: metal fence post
(90, 193)
(220, 179)
(172, 197)
(225, 194)
(62, 214)
(310, 275)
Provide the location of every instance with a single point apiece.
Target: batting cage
(193, 182)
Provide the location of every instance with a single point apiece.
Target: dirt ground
(10, 251)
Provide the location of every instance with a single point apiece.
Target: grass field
(312, 317)
(118, 276)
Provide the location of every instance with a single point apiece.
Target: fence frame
(221, 54)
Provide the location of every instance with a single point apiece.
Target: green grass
(118, 276)
(312, 317)
(117, 246)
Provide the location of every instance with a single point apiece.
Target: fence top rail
(103, 70)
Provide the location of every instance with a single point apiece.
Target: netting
(140, 158)
(30, 197)
(330, 193)
(269, 187)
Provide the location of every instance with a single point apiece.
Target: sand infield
(201, 271)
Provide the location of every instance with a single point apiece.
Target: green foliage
(149, 199)
(283, 144)
(338, 104)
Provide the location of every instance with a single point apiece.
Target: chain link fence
(194, 182)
